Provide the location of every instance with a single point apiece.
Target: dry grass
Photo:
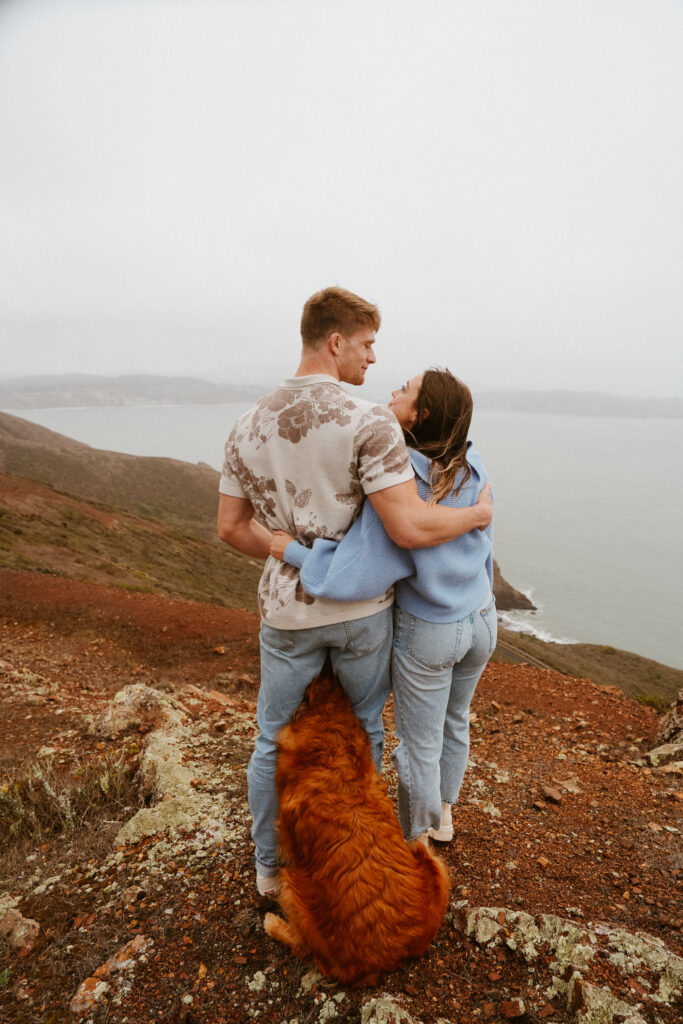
(645, 680)
(40, 799)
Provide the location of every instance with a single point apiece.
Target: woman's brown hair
(444, 412)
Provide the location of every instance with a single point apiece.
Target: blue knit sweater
(440, 584)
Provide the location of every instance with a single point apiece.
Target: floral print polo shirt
(305, 456)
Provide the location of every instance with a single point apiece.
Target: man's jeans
(360, 652)
(435, 669)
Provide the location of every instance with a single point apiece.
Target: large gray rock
(671, 726)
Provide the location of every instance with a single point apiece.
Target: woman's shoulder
(422, 465)
(476, 463)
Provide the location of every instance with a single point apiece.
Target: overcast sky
(503, 179)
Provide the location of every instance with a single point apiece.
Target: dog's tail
(437, 881)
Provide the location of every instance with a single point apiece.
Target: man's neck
(317, 362)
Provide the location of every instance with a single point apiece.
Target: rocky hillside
(126, 888)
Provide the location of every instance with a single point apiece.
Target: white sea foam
(519, 622)
(522, 620)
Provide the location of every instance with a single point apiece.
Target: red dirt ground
(609, 850)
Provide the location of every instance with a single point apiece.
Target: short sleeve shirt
(305, 456)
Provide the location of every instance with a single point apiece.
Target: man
(303, 459)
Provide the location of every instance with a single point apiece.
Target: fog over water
(502, 178)
(588, 520)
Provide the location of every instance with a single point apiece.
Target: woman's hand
(279, 542)
(484, 506)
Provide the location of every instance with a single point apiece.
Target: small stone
(666, 754)
(89, 994)
(543, 862)
(384, 1010)
(552, 794)
(131, 894)
(257, 983)
(24, 931)
(511, 1008)
(569, 785)
(10, 920)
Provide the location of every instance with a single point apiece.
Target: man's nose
(372, 358)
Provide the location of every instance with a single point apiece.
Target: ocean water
(588, 521)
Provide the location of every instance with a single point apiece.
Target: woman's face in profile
(403, 402)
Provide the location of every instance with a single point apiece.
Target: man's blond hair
(336, 309)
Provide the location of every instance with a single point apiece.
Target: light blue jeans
(435, 669)
(360, 652)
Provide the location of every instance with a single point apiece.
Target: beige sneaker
(267, 886)
(444, 833)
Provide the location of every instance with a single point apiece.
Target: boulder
(507, 598)
(671, 726)
(136, 707)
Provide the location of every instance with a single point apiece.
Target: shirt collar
(309, 380)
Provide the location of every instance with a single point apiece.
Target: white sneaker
(267, 885)
(444, 833)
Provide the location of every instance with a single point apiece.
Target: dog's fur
(357, 898)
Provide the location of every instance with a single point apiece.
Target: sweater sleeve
(363, 565)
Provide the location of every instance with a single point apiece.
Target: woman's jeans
(360, 652)
(435, 669)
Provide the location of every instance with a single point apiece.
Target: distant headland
(73, 390)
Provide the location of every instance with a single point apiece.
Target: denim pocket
(434, 645)
(490, 618)
(277, 639)
(365, 636)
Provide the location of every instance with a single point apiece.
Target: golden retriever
(356, 896)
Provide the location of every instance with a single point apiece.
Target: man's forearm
(436, 524)
(411, 523)
(238, 528)
(250, 538)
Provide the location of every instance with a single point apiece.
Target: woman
(444, 617)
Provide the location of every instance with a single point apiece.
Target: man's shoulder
(323, 398)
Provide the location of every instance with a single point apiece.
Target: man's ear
(425, 414)
(334, 343)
